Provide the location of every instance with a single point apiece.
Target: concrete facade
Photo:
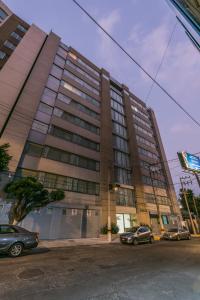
(74, 127)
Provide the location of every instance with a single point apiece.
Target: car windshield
(173, 230)
(133, 229)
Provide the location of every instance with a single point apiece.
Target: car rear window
(173, 230)
(7, 229)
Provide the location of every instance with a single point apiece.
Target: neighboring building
(188, 14)
(74, 127)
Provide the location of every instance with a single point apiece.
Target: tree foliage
(28, 194)
(4, 157)
(190, 195)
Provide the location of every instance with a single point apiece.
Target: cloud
(180, 128)
(106, 48)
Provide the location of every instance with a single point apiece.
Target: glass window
(76, 91)
(69, 63)
(76, 58)
(34, 150)
(45, 108)
(75, 120)
(64, 98)
(121, 159)
(120, 143)
(122, 176)
(49, 97)
(85, 109)
(116, 96)
(53, 83)
(2, 54)
(16, 36)
(56, 71)
(59, 61)
(120, 130)
(9, 45)
(125, 197)
(81, 82)
(21, 28)
(74, 138)
(115, 105)
(165, 220)
(39, 126)
(118, 117)
(3, 14)
(62, 52)
(4, 229)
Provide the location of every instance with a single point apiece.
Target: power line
(139, 65)
(161, 62)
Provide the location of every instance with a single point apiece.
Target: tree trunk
(15, 222)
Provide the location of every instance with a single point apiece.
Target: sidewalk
(75, 242)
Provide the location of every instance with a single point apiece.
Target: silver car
(177, 234)
(14, 239)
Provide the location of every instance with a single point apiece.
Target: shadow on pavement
(35, 251)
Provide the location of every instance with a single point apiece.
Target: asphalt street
(164, 270)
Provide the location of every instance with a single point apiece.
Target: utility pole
(186, 201)
(197, 178)
(109, 208)
(157, 204)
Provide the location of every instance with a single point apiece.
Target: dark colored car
(137, 235)
(177, 234)
(15, 239)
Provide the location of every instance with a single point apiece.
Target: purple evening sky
(143, 27)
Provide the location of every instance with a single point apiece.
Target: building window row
(62, 156)
(116, 96)
(121, 159)
(145, 142)
(119, 130)
(138, 104)
(120, 143)
(143, 130)
(78, 106)
(150, 198)
(134, 108)
(69, 63)
(2, 55)
(73, 56)
(53, 181)
(141, 121)
(75, 120)
(21, 28)
(81, 82)
(118, 117)
(116, 106)
(125, 197)
(3, 15)
(147, 153)
(76, 91)
(73, 138)
(157, 183)
(16, 36)
(122, 176)
(9, 45)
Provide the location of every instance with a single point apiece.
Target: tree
(190, 195)
(4, 157)
(28, 194)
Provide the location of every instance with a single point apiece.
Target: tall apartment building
(71, 125)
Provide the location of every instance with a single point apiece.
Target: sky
(143, 28)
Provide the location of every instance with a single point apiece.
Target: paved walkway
(75, 242)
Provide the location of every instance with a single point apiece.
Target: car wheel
(178, 238)
(151, 240)
(16, 249)
(135, 242)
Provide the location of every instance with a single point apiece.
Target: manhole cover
(30, 273)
